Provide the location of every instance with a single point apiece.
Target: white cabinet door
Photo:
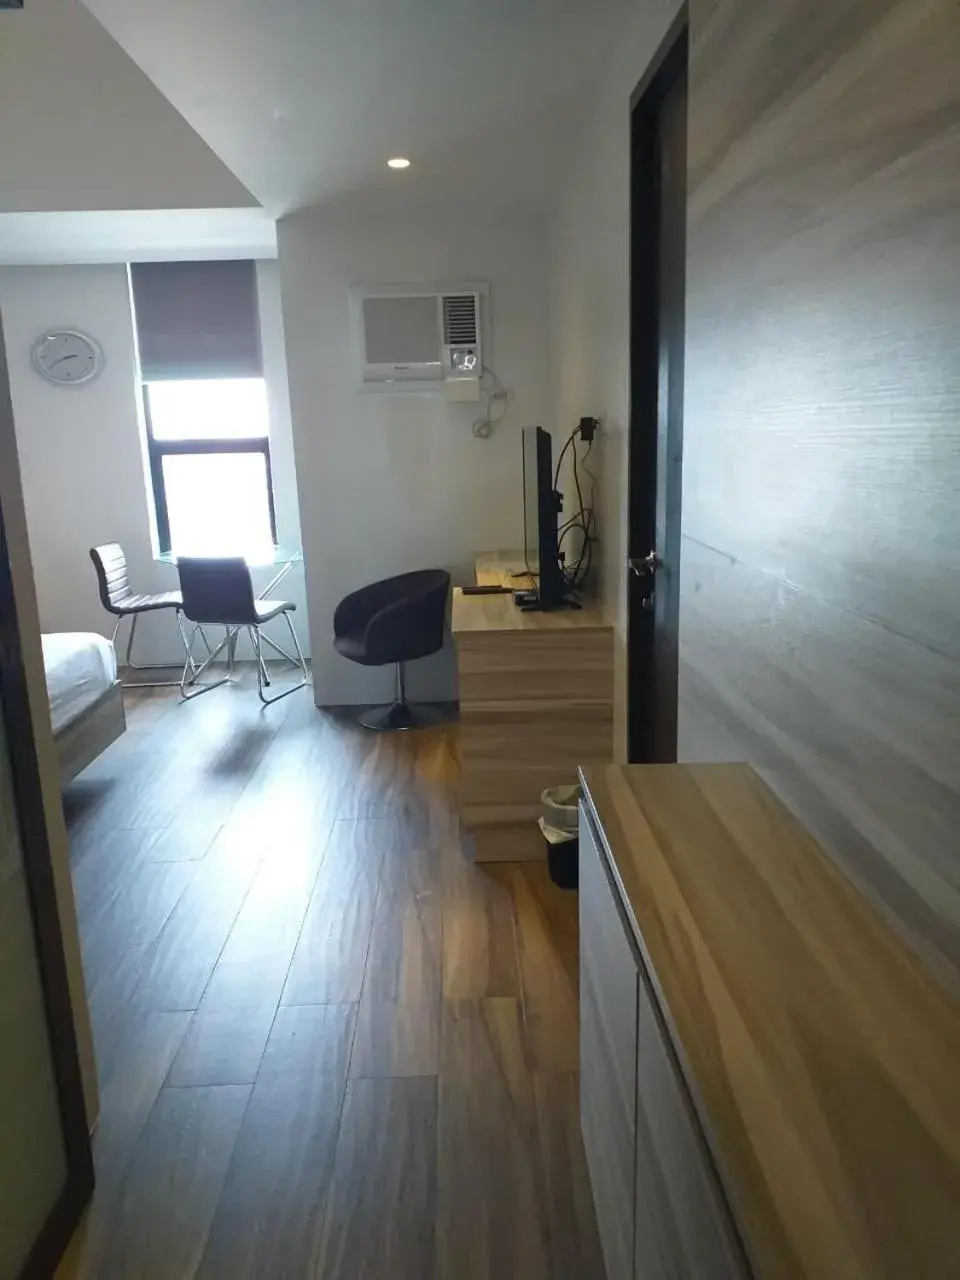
(608, 1056)
(683, 1226)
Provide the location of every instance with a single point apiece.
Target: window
(209, 449)
(205, 403)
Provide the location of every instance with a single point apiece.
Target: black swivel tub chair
(395, 621)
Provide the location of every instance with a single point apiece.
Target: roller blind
(197, 319)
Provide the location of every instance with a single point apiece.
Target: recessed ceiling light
(399, 162)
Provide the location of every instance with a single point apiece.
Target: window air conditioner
(419, 339)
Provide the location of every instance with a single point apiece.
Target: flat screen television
(541, 507)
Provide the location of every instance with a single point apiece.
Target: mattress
(80, 669)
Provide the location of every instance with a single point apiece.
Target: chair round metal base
(402, 715)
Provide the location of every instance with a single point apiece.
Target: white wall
(81, 448)
(394, 482)
(590, 305)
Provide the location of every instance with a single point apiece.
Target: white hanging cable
(497, 395)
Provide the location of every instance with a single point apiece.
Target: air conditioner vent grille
(460, 320)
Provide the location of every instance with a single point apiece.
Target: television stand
(536, 701)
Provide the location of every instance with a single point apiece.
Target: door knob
(646, 567)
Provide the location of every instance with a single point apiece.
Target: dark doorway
(658, 215)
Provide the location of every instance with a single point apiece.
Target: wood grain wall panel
(824, 267)
(853, 726)
(820, 623)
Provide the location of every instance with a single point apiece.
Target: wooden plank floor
(328, 1045)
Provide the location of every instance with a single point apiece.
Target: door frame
(77, 1189)
(652, 638)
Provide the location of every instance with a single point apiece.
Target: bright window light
(210, 467)
(217, 504)
(215, 409)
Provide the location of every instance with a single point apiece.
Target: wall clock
(67, 357)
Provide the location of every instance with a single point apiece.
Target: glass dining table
(279, 557)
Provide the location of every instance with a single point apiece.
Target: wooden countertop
(499, 613)
(824, 1059)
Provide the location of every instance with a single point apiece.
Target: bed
(86, 698)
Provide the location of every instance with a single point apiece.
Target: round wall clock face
(66, 357)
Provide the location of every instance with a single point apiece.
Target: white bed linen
(80, 668)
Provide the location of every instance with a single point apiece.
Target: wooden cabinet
(796, 1110)
(660, 1210)
(536, 701)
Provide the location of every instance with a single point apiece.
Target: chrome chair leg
(301, 660)
(198, 629)
(264, 674)
(278, 648)
(188, 652)
(133, 632)
(196, 672)
(128, 660)
(261, 665)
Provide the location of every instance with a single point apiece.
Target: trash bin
(559, 822)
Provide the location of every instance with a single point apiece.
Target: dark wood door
(658, 293)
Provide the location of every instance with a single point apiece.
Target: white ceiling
(84, 129)
(95, 163)
(304, 100)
